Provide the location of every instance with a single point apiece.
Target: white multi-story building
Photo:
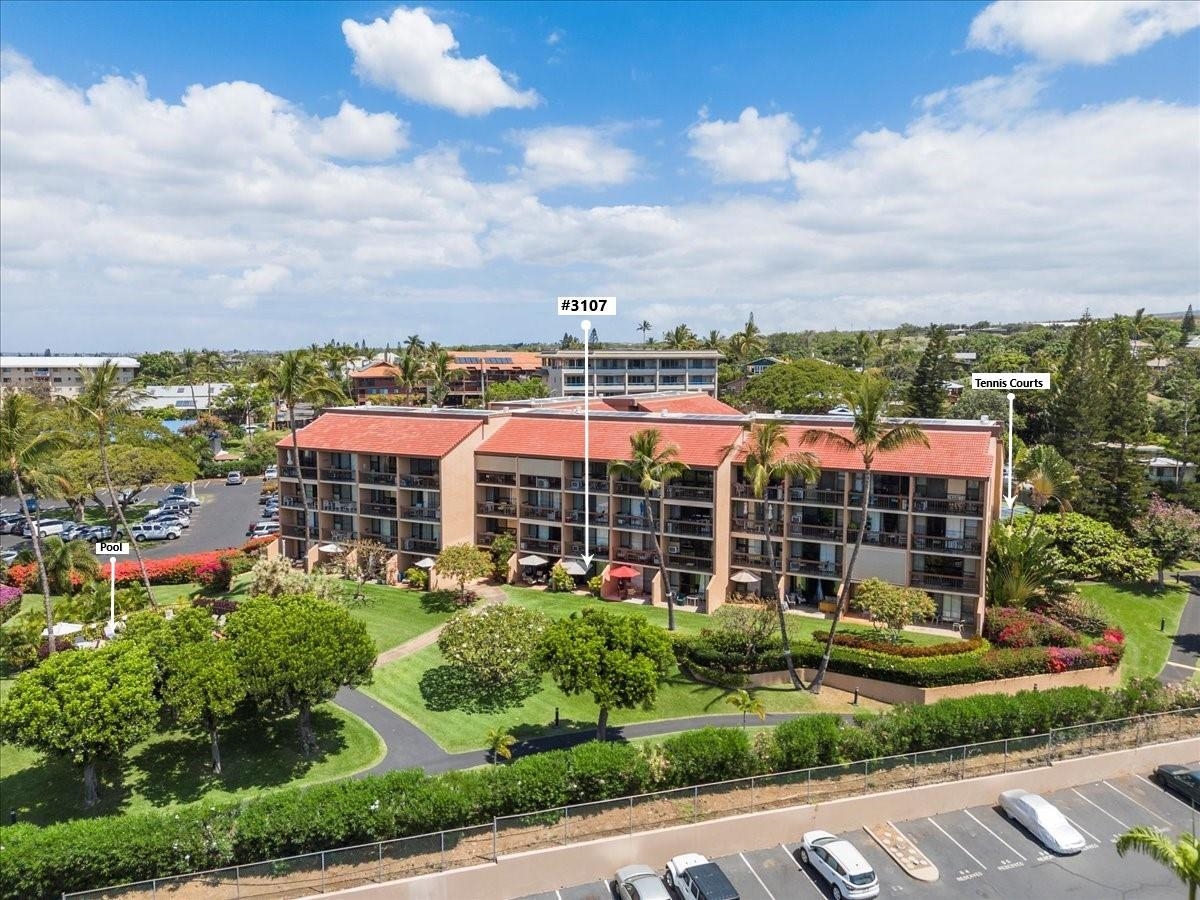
(60, 376)
(186, 398)
(622, 372)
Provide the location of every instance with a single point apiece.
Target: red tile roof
(377, 370)
(413, 435)
(520, 360)
(952, 453)
(562, 438)
(697, 403)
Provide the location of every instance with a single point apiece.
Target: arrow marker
(1011, 499)
(587, 557)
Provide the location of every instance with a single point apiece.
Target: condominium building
(632, 371)
(57, 376)
(418, 480)
(473, 371)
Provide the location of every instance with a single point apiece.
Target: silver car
(1042, 819)
(638, 882)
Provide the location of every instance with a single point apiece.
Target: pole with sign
(1010, 381)
(113, 549)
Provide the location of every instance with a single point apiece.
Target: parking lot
(980, 853)
(219, 522)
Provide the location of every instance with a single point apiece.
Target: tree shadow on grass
(255, 753)
(450, 687)
(51, 791)
(440, 602)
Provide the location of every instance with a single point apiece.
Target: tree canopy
(495, 643)
(803, 386)
(463, 563)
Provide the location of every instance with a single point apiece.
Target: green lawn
(805, 627)
(163, 593)
(394, 615)
(172, 768)
(1138, 610)
(98, 515)
(559, 605)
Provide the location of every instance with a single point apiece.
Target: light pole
(110, 630)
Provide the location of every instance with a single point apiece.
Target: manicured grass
(559, 605)
(98, 515)
(173, 768)
(426, 691)
(805, 626)
(1138, 610)
(394, 615)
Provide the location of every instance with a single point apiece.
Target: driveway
(1185, 647)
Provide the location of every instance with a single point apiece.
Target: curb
(905, 853)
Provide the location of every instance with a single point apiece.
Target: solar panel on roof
(466, 360)
(499, 360)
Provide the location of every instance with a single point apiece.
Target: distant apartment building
(474, 371)
(418, 480)
(620, 372)
(57, 376)
(187, 398)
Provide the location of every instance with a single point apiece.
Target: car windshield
(1193, 776)
(862, 878)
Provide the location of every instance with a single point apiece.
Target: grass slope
(1138, 610)
(394, 615)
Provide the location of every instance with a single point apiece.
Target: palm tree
(26, 442)
(714, 341)
(1021, 566)
(414, 345)
(1049, 476)
(865, 345)
(197, 365)
(105, 399)
(651, 466)
(645, 329)
(767, 463)
(681, 337)
(1181, 856)
(499, 744)
(870, 433)
(747, 703)
(411, 373)
(441, 375)
(295, 378)
(65, 559)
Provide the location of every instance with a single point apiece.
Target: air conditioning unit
(673, 548)
(524, 545)
(576, 484)
(542, 482)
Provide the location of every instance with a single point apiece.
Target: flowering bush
(252, 546)
(10, 602)
(1007, 626)
(215, 575)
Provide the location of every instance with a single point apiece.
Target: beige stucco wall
(877, 562)
(457, 486)
(496, 463)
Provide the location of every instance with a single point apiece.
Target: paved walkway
(1184, 658)
(490, 594)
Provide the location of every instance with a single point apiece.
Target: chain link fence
(348, 867)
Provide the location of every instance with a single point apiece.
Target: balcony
(937, 544)
(541, 483)
(293, 502)
(420, 545)
(578, 517)
(817, 532)
(600, 550)
(293, 530)
(337, 535)
(388, 540)
(496, 508)
(502, 478)
(339, 506)
(951, 505)
(686, 526)
(594, 485)
(819, 567)
(752, 560)
(487, 538)
(961, 584)
(630, 554)
(383, 510)
(625, 520)
(544, 513)
(755, 525)
(772, 494)
(816, 495)
(288, 472)
(419, 482)
(691, 563)
(689, 492)
(337, 474)
(371, 476)
(537, 545)
(880, 501)
(630, 489)
(422, 513)
(879, 538)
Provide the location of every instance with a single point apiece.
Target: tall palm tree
(1049, 476)
(768, 463)
(26, 442)
(652, 466)
(295, 378)
(197, 366)
(414, 344)
(645, 329)
(714, 341)
(681, 337)
(871, 433)
(441, 376)
(105, 400)
(1181, 856)
(411, 372)
(65, 559)
(865, 345)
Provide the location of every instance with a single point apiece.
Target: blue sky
(823, 165)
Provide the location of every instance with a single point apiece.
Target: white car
(695, 878)
(638, 882)
(271, 472)
(45, 528)
(234, 478)
(838, 861)
(174, 513)
(153, 531)
(262, 529)
(1042, 819)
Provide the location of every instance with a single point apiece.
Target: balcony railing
(420, 545)
(487, 538)
(294, 530)
(539, 546)
(338, 535)
(287, 472)
(692, 563)
(339, 506)
(418, 481)
(578, 517)
(293, 502)
(629, 554)
(496, 508)
(384, 510)
(953, 504)
(755, 525)
(625, 520)
(685, 526)
(772, 494)
(541, 482)
(544, 513)
(505, 478)
(817, 532)
(755, 560)
(370, 476)
(880, 501)
(630, 489)
(820, 567)
(970, 546)
(424, 513)
(388, 540)
(600, 550)
(689, 492)
(595, 485)
(879, 538)
(945, 581)
(816, 495)
(337, 474)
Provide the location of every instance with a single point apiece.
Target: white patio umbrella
(533, 560)
(573, 567)
(743, 577)
(330, 548)
(425, 563)
(63, 629)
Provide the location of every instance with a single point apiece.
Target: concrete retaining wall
(543, 870)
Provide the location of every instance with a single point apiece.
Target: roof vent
(779, 412)
(985, 420)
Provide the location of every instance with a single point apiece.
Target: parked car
(271, 472)
(271, 512)
(173, 512)
(640, 882)
(153, 531)
(97, 533)
(7, 556)
(72, 531)
(11, 524)
(1183, 780)
(1042, 819)
(46, 528)
(838, 861)
(177, 490)
(262, 529)
(173, 508)
(172, 522)
(235, 478)
(695, 878)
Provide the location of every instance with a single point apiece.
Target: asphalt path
(1184, 657)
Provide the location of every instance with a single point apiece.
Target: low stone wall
(890, 692)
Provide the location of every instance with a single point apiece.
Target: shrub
(707, 754)
(806, 741)
(1009, 626)
(560, 579)
(215, 576)
(10, 602)
(1076, 612)
(1091, 549)
(607, 769)
(910, 651)
(168, 570)
(417, 578)
(215, 605)
(595, 584)
(530, 783)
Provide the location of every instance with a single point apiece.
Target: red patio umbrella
(623, 572)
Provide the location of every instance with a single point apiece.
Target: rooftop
(649, 353)
(65, 362)
(395, 430)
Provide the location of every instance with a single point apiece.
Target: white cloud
(1091, 32)
(752, 149)
(995, 98)
(414, 56)
(554, 36)
(574, 155)
(356, 134)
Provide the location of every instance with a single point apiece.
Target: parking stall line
(957, 844)
(803, 871)
(1159, 790)
(996, 836)
(1079, 827)
(755, 874)
(1099, 807)
(1136, 803)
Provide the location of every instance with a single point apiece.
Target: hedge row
(168, 570)
(91, 853)
(909, 651)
